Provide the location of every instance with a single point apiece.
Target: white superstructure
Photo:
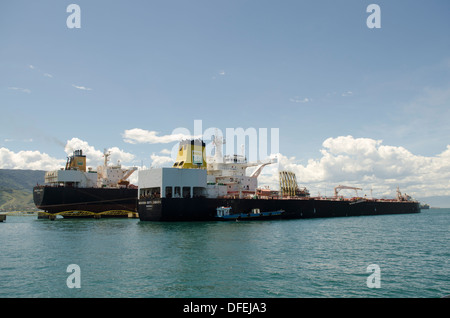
(172, 183)
(227, 174)
(75, 174)
(221, 176)
(75, 178)
(111, 176)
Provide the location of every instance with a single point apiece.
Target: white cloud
(33, 160)
(367, 163)
(82, 87)
(362, 162)
(348, 93)
(36, 160)
(20, 89)
(220, 73)
(166, 152)
(161, 161)
(45, 74)
(95, 157)
(137, 135)
(298, 100)
(120, 155)
(18, 140)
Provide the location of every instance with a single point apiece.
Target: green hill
(16, 189)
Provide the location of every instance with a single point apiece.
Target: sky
(353, 105)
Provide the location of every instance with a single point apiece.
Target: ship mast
(106, 154)
(218, 142)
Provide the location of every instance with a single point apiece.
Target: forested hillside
(16, 188)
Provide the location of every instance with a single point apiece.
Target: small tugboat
(223, 213)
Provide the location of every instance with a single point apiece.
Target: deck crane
(123, 180)
(258, 170)
(340, 187)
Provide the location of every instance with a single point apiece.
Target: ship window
(197, 191)
(175, 164)
(186, 192)
(168, 192)
(181, 163)
(177, 193)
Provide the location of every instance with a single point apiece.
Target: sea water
(320, 258)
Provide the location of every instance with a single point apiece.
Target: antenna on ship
(106, 154)
(218, 142)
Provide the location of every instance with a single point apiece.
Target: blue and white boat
(224, 213)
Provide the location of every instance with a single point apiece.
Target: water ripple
(295, 258)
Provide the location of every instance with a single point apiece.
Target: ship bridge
(234, 159)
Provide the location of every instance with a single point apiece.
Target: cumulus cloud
(166, 152)
(137, 135)
(367, 163)
(94, 157)
(161, 161)
(36, 160)
(361, 162)
(33, 160)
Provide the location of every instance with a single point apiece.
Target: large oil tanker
(73, 191)
(196, 188)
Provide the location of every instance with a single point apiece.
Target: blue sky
(313, 69)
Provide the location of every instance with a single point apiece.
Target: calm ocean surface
(271, 259)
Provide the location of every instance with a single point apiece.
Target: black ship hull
(55, 200)
(204, 209)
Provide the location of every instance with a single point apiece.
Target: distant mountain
(16, 188)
